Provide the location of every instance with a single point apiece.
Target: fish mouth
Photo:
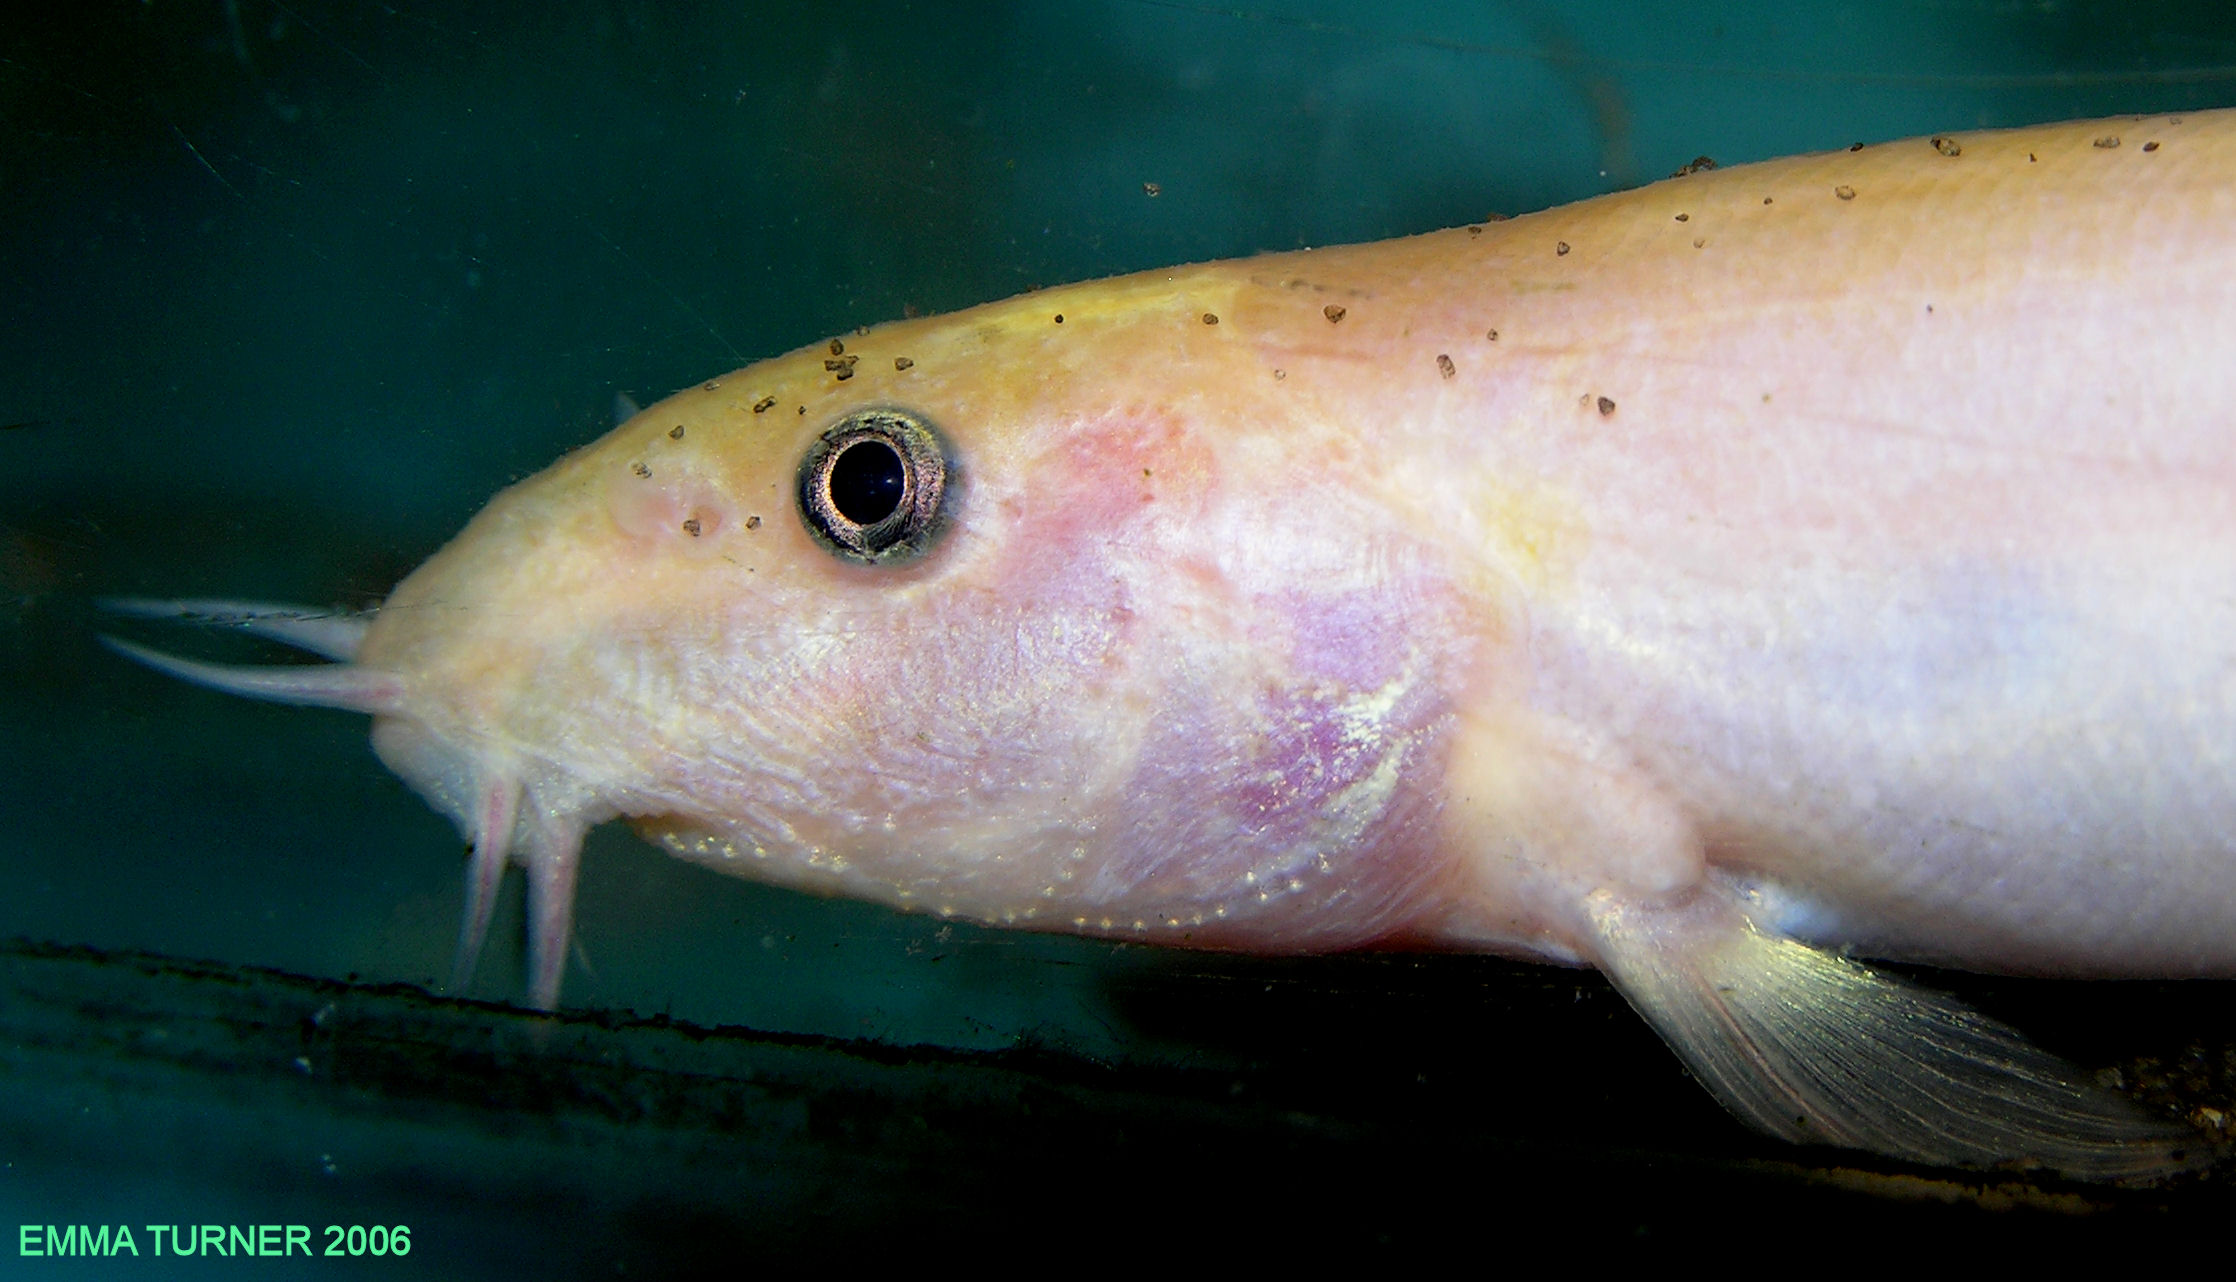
(491, 800)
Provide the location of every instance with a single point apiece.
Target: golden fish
(1702, 583)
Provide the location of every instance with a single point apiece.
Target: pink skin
(1833, 549)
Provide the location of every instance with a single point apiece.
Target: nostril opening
(665, 509)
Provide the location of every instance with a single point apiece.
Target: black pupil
(866, 482)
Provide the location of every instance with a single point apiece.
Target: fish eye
(872, 485)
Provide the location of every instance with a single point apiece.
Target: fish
(1723, 584)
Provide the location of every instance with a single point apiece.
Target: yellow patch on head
(1536, 533)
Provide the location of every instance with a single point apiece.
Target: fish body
(1702, 582)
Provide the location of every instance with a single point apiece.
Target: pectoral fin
(1812, 1047)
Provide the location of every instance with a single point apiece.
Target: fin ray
(1812, 1047)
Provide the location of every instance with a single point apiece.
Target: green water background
(290, 290)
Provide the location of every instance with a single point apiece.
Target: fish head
(883, 576)
(1057, 613)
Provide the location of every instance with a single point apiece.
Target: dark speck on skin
(2150, 146)
(1606, 406)
(763, 405)
(1844, 192)
(676, 433)
(1444, 365)
(2107, 142)
(753, 523)
(1333, 313)
(1947, 146)
(691, 527)
(903, 362)
(640, 469)
(1210, 318)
